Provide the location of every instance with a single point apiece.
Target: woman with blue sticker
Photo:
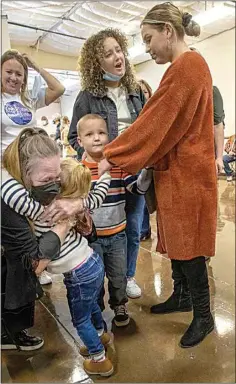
(18, 104)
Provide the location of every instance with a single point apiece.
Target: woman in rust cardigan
(178, 143)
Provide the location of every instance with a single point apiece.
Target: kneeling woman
(33, 161)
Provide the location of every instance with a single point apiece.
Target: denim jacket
(86, 103)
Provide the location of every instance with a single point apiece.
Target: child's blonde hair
(75, 179)
(89, 116)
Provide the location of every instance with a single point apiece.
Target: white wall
(67, 104)
(151, 72)
(49, 112)
(219, 52)
(4, 35)
(64, 108)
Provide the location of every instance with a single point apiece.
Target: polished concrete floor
(147, 350)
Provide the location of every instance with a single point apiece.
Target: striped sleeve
(17, 197)
(140, 185)
(99, 193)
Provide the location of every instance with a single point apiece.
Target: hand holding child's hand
(104, 166)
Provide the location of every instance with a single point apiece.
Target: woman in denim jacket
(110, 90)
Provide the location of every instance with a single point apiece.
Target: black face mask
(45, 194)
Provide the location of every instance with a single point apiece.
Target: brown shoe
(105, 340)
(102, 368)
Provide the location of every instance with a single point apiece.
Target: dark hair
(145, 83)
(168, 13)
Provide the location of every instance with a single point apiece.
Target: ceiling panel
(83, 18)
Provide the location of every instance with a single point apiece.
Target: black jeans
(113, 251)
(14, 320)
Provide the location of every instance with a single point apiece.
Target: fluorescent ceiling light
(214, 14)
(136, 50)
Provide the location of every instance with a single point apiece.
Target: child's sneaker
(45, 278)
(121, 318)
(102, 367)
(133, 291)
(105, 340)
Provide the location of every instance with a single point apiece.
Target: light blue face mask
(111, 77)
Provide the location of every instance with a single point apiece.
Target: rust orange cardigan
(174, 134)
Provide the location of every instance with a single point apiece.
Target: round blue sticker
(18, 112)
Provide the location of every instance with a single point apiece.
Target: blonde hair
(89, 116)
(65, 120)
(75, 179)
(168, 13)
(29, 146)
(13, 54)
(90, 67)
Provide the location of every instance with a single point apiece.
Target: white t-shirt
(16, 116)
(118, 95)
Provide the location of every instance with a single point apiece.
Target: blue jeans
(113, 252)
(226, 160)
(134, 216)
(83, 288)
(146, 221)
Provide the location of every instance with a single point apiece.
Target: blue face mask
(111, 77)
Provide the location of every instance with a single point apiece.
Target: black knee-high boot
(202, 324)
(180, 300)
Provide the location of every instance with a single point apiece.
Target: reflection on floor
(147, 349)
